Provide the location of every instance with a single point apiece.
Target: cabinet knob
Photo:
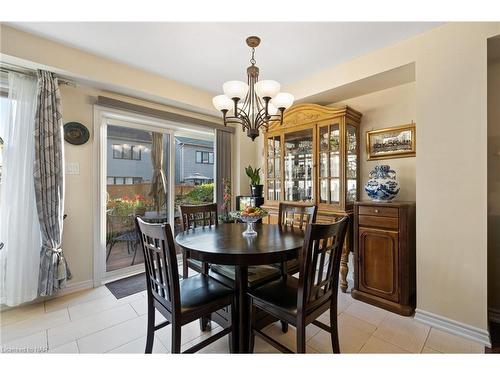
(376, 210)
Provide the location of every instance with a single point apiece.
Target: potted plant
(254, 175)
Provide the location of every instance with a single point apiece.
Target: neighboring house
(128, 156)
(194, 160)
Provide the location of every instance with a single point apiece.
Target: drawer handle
(376, 211)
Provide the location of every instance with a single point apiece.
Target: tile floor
(94, 321)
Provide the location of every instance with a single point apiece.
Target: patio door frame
(103, 116)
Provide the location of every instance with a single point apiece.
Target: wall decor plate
(76, 133)
(389, 143)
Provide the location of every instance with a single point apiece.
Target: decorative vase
(256, 190)
(382, 185)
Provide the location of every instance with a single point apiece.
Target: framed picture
(389, 143)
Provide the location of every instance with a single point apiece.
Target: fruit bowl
(250, 215)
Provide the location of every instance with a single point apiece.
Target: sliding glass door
(137, 170)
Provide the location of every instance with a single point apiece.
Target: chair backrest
(320, 263)
(160, 261)
(194, 216)
(296, 215)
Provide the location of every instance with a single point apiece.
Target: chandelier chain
(252, 60)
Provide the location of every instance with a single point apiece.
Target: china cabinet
(314, 157)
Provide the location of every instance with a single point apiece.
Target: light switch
(72, 168)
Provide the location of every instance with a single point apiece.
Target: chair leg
(184, 265)
(301, 338)
(284, 326)
(151, 327)
(204, 323)
(334, 332)
(135, 253)
(233, 336)
(176, 338)
(111, 244)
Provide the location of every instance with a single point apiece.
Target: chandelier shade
(235, 89)
(267, 88)
(255, 104)
(222, 102)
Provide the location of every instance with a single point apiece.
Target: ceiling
(205, 55)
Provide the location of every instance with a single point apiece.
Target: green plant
(253, 174)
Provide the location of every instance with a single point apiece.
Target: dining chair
(301, 301)
(297, 216)
(179, 301)
(120, 228)
(195, 216)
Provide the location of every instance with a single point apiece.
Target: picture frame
(391, 143)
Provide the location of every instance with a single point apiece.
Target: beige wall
(77, 106)
(494, 188)
(382, 109)
(451, 168)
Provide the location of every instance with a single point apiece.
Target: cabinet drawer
(378, 221)
(379, 211)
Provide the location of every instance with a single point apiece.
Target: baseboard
(494, 315)
(452, 326)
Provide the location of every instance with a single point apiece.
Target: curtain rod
(7, 68)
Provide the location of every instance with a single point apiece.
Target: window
(204, 157)
(127, 152)
(123, 180)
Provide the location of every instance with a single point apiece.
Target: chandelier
(254, 104)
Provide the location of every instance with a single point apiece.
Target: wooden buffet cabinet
(313, 157)
(384, 256)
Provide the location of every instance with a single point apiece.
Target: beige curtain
(158, 181)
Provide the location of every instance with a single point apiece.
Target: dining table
(226, 245)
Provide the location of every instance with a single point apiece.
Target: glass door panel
(352, 164)
(298, 165)
(329, 160)
(273, 174)
(132, 190)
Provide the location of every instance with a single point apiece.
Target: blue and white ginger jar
(382, 185)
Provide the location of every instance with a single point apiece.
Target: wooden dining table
(224, 244)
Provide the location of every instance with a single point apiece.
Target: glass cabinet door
(352, 164)
(273, 176)
(329, 164)
(298, 165)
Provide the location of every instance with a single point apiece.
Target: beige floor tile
(76, 298)
(139, 345)
(448, 343)
(35, 343)
(289, 339)
(34, 324)
(353, 334)
(140, 305)
(189, 333)
(69, 348)
(113, 337)
(404, 332)
(366, 312)
(90, 324)
(21, 313)
(378, 346)
(344, 300)
(101, 304)
(427, 350)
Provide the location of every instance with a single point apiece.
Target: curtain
(19, 228)
(158, 182)
(49, 184)
(222, 164)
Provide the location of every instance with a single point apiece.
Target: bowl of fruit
(250, 215)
